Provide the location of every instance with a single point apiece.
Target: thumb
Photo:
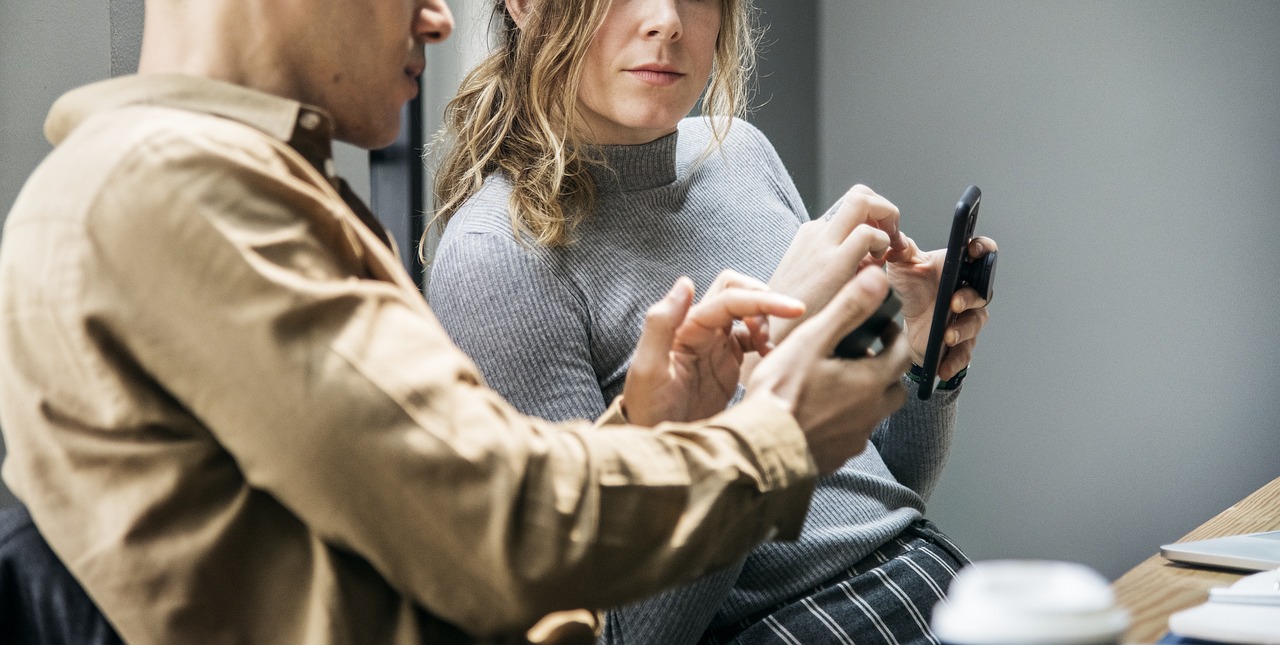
(853, 304)
(660, 324)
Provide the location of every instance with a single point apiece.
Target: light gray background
(1130, 154)
(46, 47)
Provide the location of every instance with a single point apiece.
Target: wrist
(916, 374)
(749, 363)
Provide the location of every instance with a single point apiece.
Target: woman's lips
(656, 76)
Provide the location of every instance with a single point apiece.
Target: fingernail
(678, 290)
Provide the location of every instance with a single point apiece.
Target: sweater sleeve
(675, 617)
(524, 327)
(777, 172)
(915, 441)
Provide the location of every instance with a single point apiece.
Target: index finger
(853, 304)
(719, 310)
(861, 205)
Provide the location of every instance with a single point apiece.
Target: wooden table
(1157, 588)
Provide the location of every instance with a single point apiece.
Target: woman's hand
(828, 252)
(916, 275)
(688, 358)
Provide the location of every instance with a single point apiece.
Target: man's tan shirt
(233, 416)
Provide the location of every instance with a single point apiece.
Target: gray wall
(1130, 158)
(46, 48)
(786, 97)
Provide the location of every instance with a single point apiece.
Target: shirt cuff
(567, 627)
(613, 415)
(781, 451)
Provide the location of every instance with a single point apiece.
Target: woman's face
(646, 68)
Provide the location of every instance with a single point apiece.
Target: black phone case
(962, 225)
(858, 343)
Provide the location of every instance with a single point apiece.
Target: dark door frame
(396, 187)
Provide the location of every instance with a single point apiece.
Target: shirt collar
(307, 129)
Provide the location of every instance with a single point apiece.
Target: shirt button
(309, 120)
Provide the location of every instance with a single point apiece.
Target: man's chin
(369, 138)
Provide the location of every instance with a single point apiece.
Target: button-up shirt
(235, 419)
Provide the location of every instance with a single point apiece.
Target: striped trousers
(887, 597)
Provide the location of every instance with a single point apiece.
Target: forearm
(344, 400)
(574, 517)
(916, 440)
(491, 519)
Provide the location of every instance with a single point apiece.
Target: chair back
(41, 603)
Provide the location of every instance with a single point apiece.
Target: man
(233, 417)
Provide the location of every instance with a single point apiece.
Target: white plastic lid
(1007, 602)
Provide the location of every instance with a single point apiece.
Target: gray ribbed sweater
(553, 330)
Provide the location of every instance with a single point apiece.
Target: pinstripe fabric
(887, 597)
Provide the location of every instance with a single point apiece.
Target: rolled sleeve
(342, 398)
(785, 461)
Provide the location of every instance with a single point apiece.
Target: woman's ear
(519, 10)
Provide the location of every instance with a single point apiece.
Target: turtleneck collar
(638, 167)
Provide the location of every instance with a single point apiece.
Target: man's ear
(519, 10)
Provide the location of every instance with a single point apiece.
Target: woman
(575, 188)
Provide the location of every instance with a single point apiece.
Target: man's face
(360, 61)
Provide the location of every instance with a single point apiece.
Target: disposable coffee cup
(1029, 602)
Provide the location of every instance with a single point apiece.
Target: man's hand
(916, 275)
(688, 358)
(837, 402)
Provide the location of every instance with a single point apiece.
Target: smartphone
(861, 342)
(958, 271)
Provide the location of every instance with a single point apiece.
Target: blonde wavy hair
(515, 113)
